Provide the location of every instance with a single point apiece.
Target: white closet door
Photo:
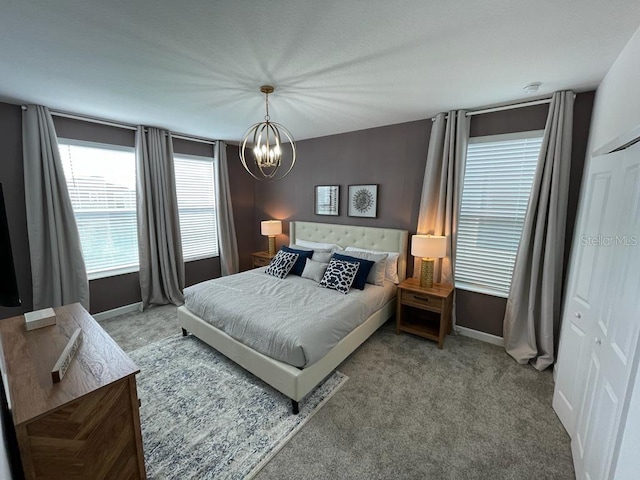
(615, 330)
(586, 288)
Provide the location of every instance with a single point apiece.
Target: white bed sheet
(292, 319)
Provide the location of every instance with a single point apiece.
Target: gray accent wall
(394, 158)
(106, 293)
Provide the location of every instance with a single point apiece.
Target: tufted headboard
(372, 238)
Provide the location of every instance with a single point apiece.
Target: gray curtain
(159, 241)
(57, 267)
(532, 317)
(442, 187)
(227, 242)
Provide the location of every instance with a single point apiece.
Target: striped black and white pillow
(282, 264)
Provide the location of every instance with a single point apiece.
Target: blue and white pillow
(339, 275)
(298, 267)
(281, 264)
(363, 270)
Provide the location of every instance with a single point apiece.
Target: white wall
(616, 109)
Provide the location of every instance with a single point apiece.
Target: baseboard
(482, 336)
(134, 307)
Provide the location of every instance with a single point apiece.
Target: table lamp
(271, 228)
(428, 247)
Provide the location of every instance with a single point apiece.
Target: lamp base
(426, 273)
(272, 245)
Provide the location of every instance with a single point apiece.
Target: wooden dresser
(88, 425)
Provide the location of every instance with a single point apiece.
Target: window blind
(196, 206)
(101, 180)
(497, 183)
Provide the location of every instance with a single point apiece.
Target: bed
(299, 372)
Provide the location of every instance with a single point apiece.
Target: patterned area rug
(205, 417)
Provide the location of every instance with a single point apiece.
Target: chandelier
(262, 151)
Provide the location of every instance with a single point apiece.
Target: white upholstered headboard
(372, 238)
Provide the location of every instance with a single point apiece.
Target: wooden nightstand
(261, 259)
(428, 301)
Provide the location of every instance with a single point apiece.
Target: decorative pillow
(391, 273)
(298, 267)
(318, 245)
(281, 264)
(376, 275)
(322, 255)
(314, 270)
(339, 275)
(363, 271)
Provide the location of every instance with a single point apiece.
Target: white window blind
(497, 184)
(102, 185)
(196, 206)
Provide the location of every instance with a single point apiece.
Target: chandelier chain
(267, 117)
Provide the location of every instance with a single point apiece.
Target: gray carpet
(411, 411)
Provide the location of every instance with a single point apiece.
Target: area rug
(204, 417)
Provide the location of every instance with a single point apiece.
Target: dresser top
(28, 358)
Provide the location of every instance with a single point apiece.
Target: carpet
(205, 417)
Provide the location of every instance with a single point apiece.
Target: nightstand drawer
(260, 262)
(421, 300)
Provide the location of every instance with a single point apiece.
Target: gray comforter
(292, 320)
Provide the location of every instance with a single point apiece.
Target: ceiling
(195, 66)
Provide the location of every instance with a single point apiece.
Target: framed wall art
(363, 201)
(327, 200)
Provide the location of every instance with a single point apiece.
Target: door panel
(612, 329)
(585, 291)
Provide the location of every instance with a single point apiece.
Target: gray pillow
(322, 255)
(376, 274)
(314, 270)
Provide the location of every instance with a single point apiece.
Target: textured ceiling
(195, 66)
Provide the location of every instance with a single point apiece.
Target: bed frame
(294, 382)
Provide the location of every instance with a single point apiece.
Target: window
(102, 185)
(196, 206)
(497, 183)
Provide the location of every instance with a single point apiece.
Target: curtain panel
(229, 258)
(58, 270)
(442, 188)
(159, 240)
(532, 317)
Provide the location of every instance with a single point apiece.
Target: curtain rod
(509, 107)
(503, 107)
(127, 126)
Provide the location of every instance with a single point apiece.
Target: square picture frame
(363, 201)
(327, 200)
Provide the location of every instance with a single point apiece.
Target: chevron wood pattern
(88, 425)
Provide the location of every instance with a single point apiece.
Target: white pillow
(378, 270)
(391, 273)
(318, 245)
(314, 270)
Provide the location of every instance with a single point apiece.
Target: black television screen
(9, 296)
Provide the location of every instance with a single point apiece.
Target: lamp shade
(428, 246)
(271, 227)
